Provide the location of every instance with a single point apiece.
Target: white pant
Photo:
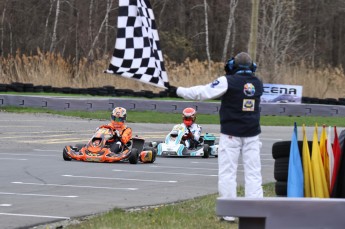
(228, 153)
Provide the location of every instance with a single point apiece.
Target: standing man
(240, 91)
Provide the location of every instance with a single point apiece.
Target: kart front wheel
(65, 155)
(155, 144)
(134, 156)
(206, 151)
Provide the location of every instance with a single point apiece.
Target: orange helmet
(118, 116)
(189, 116)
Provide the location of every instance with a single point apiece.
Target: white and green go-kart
(173, 147)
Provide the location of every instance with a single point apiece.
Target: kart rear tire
(65, 156)
(154, 153)
(134, 156)
(206, 151)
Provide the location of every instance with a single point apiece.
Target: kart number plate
(93, 159)
(169, 153)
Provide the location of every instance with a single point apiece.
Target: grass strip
(159, 117)
(196, 213)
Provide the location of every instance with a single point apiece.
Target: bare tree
(3, 29)
(90, 35)
(91, 54)
(54, 36)
(106, 30)
(254, 29)
(47, 24)
(11, 37)
(206, 35)
(231, 22)
(162, 12)
(278, 34)
(185, 28)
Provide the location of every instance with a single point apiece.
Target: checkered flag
(137, 53)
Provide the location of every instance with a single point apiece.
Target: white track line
(184, 174)
(14, 159)
(5, 205)
(31, 155)
(31, 194)
(76, 186)
(114, 178)
(36, 216)
(47, 150)
(198, 162)
(176, 167)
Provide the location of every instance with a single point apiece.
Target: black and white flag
(137, 53)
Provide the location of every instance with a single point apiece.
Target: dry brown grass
(327, 82)
(52, 69)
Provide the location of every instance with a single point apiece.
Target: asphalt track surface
(38, 187)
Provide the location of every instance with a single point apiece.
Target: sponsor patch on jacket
(248, 105)
(249, 89)
(214, 83)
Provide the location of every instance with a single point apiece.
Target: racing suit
(192, 135)
(123, 135)
(240, 129)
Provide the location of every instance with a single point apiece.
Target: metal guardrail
(169, 106)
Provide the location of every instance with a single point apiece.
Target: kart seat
(174, 133)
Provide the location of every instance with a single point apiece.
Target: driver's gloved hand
(116, 148)
(171, 91)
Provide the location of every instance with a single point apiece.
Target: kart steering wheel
(109, 128)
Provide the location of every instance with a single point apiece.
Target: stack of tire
(281, 155)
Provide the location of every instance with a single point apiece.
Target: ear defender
(253, 67)
(230, 67)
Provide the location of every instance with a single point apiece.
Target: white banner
(281, 93)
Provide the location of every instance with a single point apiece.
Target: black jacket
(239, 111)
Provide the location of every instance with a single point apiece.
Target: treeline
(289, 31)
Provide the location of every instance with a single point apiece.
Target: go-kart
(98, 150)
(173, 146)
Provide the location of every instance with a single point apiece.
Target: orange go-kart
(98, 150)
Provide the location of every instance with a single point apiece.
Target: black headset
(231, 67)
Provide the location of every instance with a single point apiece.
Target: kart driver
(193, 131)
(123, 134)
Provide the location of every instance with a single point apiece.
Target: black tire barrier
(47, 88)
(281, 169)
(110, 90)
(281, 188)
(3, 87)
(281, 155)
(281, 149)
